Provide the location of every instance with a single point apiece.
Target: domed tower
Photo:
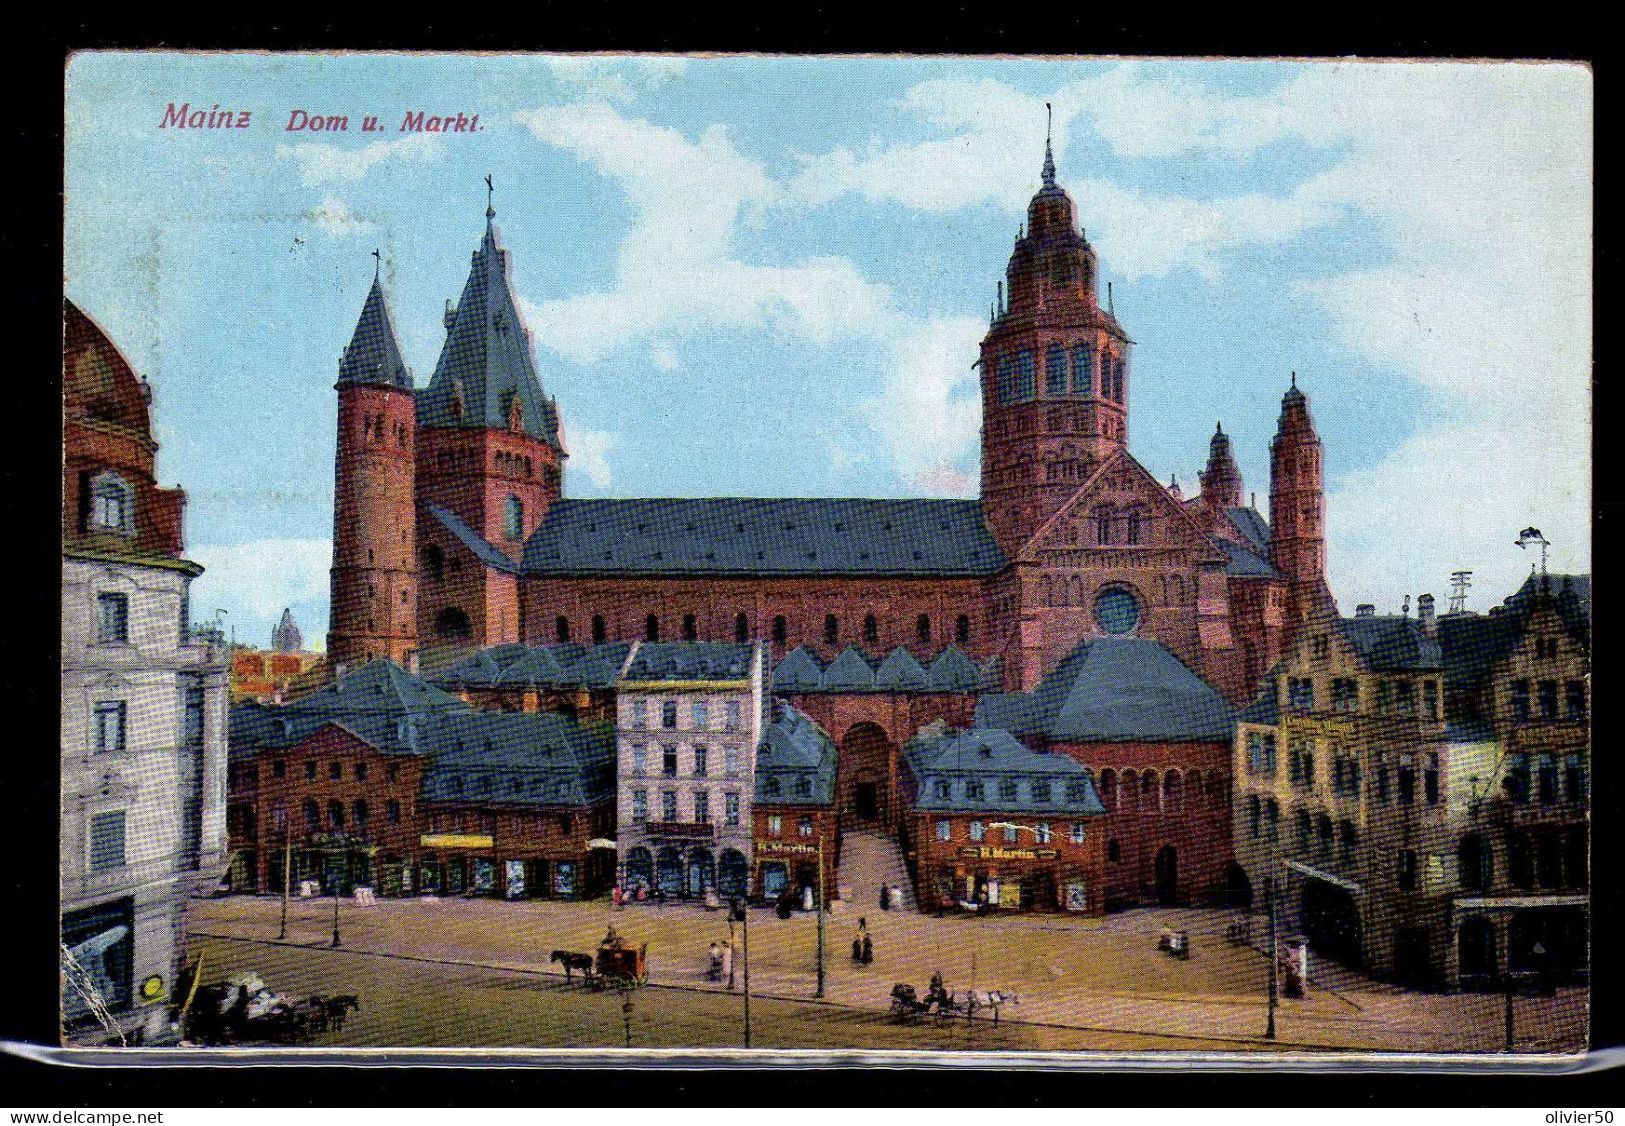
(1054, 372)
(489, 459)
(374, 607)
(1298, 508)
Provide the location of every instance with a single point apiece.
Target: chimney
(1424, 614)
(1365, 610)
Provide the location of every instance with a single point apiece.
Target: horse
(335, 1008)
(573, 961)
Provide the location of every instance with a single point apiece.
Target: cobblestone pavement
(470, 971)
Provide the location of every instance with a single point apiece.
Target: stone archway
(865, 777)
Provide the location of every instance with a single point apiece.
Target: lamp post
(744, 924)
(1274, 964)
(822, 907)
(287, 868)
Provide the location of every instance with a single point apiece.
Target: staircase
(869, 861)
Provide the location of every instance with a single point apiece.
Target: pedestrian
(616, 895)
(885, 898)
(857, 939)
(714, 962)
(868, 950)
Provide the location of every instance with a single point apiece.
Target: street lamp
(822, 907)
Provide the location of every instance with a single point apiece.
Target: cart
(621, 965)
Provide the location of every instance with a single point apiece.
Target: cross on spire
(1049, 155)
(490, 191)
(377, 263)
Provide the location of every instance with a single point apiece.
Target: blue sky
(768, 276)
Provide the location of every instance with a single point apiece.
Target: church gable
(1121, 508)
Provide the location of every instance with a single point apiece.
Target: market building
(797, 830)
(989, 821)
(144, 706)
(690, 717)
(1414, 789)
(382, 780)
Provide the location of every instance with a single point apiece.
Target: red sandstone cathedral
(452, 529)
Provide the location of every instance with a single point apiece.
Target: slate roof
(1392, 644)
(754, 536)
(518, 758)
(374, 353)
(482, 548)
(1244, 563)
(988, 756)
(487, 357)
(1111, 690)
(899, 671)
(566, 665)
(692, 660)
(1265, 708)
(1257, 530)
(793, 749)
(377, 687)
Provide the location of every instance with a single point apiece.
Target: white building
(689, 718)
(143, 713)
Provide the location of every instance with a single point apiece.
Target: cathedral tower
(1298, 508)
(489, 459)
(1054, 372)
(374, 609)
(1221, 480)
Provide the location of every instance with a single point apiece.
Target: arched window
(690, 628)
(561, 629)
(1133, 535)
(335, 815)
(1254, 816)
(922, 629)
(741, 627)
(1007, 380)
(598, 629)
(513, 518)
(962, 630)
(781, 631)
(651, 628)
(1026, 376)
(1083, 370)
(1348, 841)
(1108, 788)
(111, 504)
(1055, 370)
(871, 629)
(832, 629)
(1171, 791)
(313, 816)
(1103, 527)
(1114, 851)
(1272, 820)
(359, 813)
(453, 623)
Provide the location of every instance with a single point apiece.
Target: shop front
(1013, 879)
(788, 866)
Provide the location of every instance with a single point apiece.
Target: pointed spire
(490, 193)
(374, 353)
(1221, 480)
(1049, 155)
(1110, 308)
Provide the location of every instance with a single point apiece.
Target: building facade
(690, 717)
(1156, 739)
(988, 821)
(143, 709)
(1415, 790)
(382, 780)
(1070, 539)
(797, 831)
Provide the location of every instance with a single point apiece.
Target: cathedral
(452, 529)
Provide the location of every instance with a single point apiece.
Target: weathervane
(1532, 535)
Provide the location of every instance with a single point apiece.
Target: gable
(1120, 489)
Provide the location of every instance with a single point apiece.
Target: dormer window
(112, 505)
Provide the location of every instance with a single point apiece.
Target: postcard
(861, 559)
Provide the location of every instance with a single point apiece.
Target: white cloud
(1476, 290)
(255, 580)
(322, 164)
(614, 79)
(679, 275)
(589, 450)
(334, 218)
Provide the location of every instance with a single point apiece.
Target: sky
(764, 276)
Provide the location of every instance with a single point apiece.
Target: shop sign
(990, 852)
(782, 847)
(457, 840)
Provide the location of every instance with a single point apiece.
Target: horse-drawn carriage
(617, 963)
(242, 1008)
(940, 1002)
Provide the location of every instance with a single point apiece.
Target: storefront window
(977, 831)
(944, 831)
